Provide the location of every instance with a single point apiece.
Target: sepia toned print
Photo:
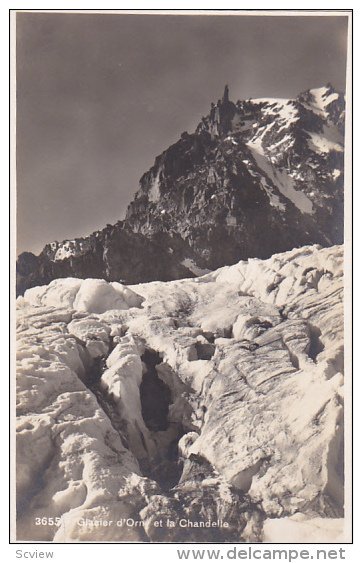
(180, 272)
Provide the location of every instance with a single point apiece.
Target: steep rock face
(256, 177)
(217, 399)
(114, 254)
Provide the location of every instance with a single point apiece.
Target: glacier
(217, 398)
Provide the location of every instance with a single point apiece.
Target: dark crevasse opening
(167, 469)
(316, 345)
(156, 398)
(204, 351)
(155, 394)
(95, 372)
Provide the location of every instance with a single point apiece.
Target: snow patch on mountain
(280, 178)
(154, 193)
(321, 98)
(321, 143)
(190, 264)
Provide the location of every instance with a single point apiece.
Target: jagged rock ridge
(215, 399)
(256, 177)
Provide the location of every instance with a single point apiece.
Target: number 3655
(47, 521)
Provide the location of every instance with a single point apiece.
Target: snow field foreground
(213, 400)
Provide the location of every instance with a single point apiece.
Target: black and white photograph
(182, 246)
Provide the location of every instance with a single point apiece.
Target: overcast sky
(100, 96)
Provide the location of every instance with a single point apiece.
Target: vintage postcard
(182, 193)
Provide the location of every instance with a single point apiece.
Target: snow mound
(59, 293)
(298, 529)
(88, 296)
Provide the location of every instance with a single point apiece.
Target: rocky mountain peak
(225, 97)
(268, 162)
(219, 121)
(256, 177)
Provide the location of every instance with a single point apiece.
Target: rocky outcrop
(114, 254)
(213, 405)
(256, 177)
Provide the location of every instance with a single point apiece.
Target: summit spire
(225, 97)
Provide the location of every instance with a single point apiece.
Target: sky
(99, 96)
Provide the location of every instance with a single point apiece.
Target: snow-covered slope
(214, 399)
